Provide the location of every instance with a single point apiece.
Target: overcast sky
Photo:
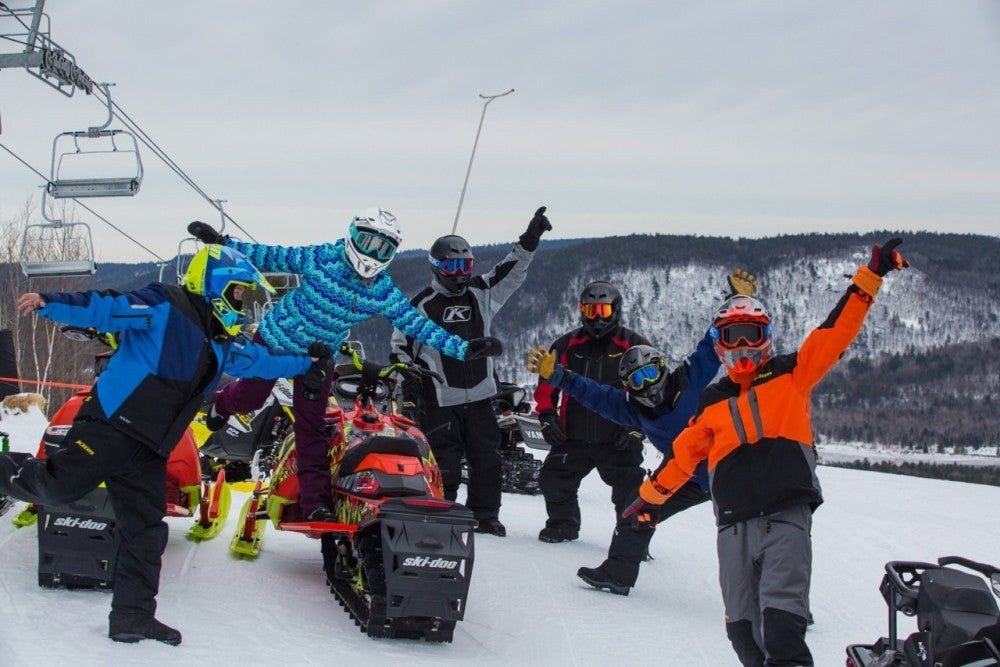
(749, 118)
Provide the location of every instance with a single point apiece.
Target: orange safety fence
(43, 383)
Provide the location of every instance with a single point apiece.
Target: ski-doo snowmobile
(399, 558)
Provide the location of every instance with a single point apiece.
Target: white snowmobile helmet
(372, 239)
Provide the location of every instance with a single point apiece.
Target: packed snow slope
(526, 606)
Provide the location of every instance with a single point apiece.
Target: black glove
(538, 225)
(628, 438)
(487, 346)
(205, 233)
(412, 405)
(885, 258)
(644, 515)
(320, 350)
(552, 430)
(312, 379)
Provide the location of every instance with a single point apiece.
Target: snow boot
(558, 533)
(322, 515)
(599, 578)
(134, 631)
(213, 420)
(491, 526)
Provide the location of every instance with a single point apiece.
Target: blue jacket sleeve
(280, 259)
(607, 401)
(703, 364)
(250, 360)
(106, 311)
(414, 324)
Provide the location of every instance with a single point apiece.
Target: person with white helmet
(342, 284)
(753, 427)
(175, 343)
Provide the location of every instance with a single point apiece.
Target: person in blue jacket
(175, 344)
(659, 403)
(343, 284)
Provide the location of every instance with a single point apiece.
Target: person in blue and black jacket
(175, 345)
(657, 402)
(343, 284)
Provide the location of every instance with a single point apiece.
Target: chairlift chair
(56, 248)
(96, 162)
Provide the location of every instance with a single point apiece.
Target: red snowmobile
(400, 557)
(187, 493)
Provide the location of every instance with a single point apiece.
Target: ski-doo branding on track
(77, 522)
(428, 562)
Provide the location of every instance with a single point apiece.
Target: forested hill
(924, 370)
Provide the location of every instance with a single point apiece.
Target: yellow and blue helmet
(214, 273)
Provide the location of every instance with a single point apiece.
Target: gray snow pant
(765, 564)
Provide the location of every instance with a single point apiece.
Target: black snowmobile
(958, 621)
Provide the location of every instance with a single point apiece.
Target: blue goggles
(453, 266)
(644, 376)
(372, 244)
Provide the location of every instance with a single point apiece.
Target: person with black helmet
(175, 345)
(753, 427)
(343, 284)
(657, 402)
(456, 414)
(582, 440)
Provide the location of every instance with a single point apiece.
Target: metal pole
(488, 98)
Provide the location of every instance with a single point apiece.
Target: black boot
(213, 420)
(598, 577)
(559, 533)
(150, 628)
(322, 515)
(491, 526)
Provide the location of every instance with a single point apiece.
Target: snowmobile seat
(379, 444)
(954, 606)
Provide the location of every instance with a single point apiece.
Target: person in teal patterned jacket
(342, 285)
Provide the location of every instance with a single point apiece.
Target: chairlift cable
(84, 206)
(171, 164)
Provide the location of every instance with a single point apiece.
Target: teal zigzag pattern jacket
(332, 298)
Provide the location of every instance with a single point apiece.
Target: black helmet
(643, 373)
(597, 320)
(451, 262)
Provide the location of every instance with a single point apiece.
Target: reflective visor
(643, 376)
(373, 244)
(743, 333)
(594, 310)
(453, 266)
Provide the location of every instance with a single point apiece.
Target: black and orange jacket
(757, 437)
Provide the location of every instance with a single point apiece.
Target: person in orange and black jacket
(582, 440)
(753, 426)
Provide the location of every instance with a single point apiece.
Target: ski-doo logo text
(427, 561)
(457, 314)
(77, 522)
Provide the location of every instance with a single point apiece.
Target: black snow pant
(629, 546)
(468, 430)
(136, 478)
(765, 564)
(567, 464)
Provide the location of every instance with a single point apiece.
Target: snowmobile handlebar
(82, 334)
(384, 372)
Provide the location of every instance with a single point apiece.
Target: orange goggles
(596, 310)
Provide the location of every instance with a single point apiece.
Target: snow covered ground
(526, 605)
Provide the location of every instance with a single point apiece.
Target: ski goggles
(372, 244)
(644, 376)
(453, 266)
(741, 333)
(593, 311)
